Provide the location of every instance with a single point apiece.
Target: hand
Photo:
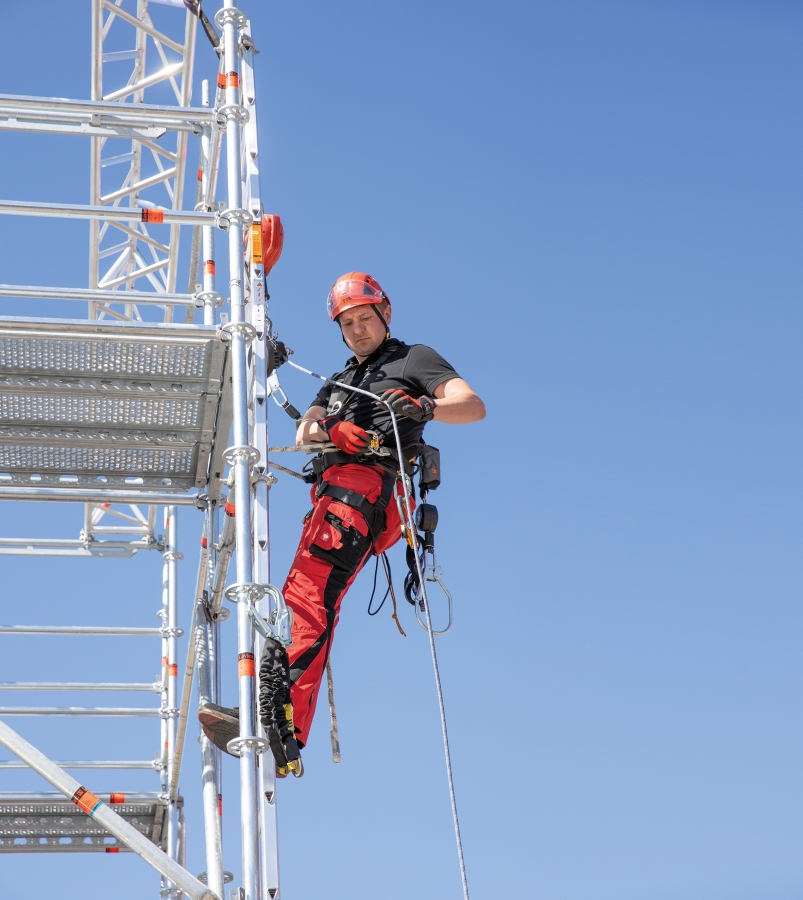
(345, 436)
(421, 410)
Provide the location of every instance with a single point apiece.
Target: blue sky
(593, 211)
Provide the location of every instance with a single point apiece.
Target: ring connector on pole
(230, 111)
(230, 14)
(246, 329)
(203, 297)
(226, 216)
(247, 452)
(171, 632)
(244, 592)
(259, 744)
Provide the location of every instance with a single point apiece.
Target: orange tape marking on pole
(209, 267)
(245, 665)
(85, 800)
(172, 670)
(157, 216)
(221, 80)
(232, 80)
(116, 798)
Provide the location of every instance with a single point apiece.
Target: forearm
(309, 431)
(459, 409)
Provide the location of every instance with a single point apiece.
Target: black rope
(373, 591)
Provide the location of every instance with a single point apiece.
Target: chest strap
(373, 513)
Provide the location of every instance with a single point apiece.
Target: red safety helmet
(354, 289)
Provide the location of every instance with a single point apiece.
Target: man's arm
(456, 403)
(309, 431)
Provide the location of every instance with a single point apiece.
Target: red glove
(420, 410)
(345, 436)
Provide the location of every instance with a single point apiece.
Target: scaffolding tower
(137, 407)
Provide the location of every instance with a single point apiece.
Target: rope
(304, 448)
(446, 750)
(386, 566)
(333, 734)
(275, 465)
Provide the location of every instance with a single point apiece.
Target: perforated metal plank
(52, 824)
(108, 403)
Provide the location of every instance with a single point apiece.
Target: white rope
(408, 515)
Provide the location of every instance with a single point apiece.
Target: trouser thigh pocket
(340, 542)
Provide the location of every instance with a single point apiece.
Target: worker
(353, 515)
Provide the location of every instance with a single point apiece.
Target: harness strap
(373, 513)
(340, 398)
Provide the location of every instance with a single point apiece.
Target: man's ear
(388, 314)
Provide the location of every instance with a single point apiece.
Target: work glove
(421, 410)
(345, 436)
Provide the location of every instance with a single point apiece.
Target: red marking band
(204, 542)
(172, 669)
(85, 800)
(221, 80)
(156, 216)
(200, 174)
(220, 803)
(245, 665)
(229, 508)
(209, 267)
(232, 80)
(116, 798)
(165, 661)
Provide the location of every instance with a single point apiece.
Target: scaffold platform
(120, 404)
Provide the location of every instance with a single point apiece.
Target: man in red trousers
(354, 515)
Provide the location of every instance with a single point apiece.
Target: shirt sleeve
(322, 397)
(426, 369)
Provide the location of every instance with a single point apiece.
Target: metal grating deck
(108, 403)
(52, 824)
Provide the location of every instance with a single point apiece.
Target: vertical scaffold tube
(212, 826)
(171, 558)
(241, 456)
(208, 232)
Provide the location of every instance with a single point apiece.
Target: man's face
(363, 329)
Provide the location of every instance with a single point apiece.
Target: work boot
(276, 710)
(220, 724)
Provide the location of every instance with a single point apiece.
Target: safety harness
(373, 513)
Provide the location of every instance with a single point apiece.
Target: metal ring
(227, 877)
(231, 111)
(232, 454)
(255, 591)
(230, 14)
(200, 299)
(168, 713)
(222, 614)
(243, 216)
(259, 744)
(246, 329)
(172, 556)
(171, 632)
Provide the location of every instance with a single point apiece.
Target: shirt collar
(352, 361)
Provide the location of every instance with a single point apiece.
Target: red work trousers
(334, 546)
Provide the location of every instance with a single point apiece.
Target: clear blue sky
(593, 211)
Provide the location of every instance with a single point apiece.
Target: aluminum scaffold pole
(242, 455)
